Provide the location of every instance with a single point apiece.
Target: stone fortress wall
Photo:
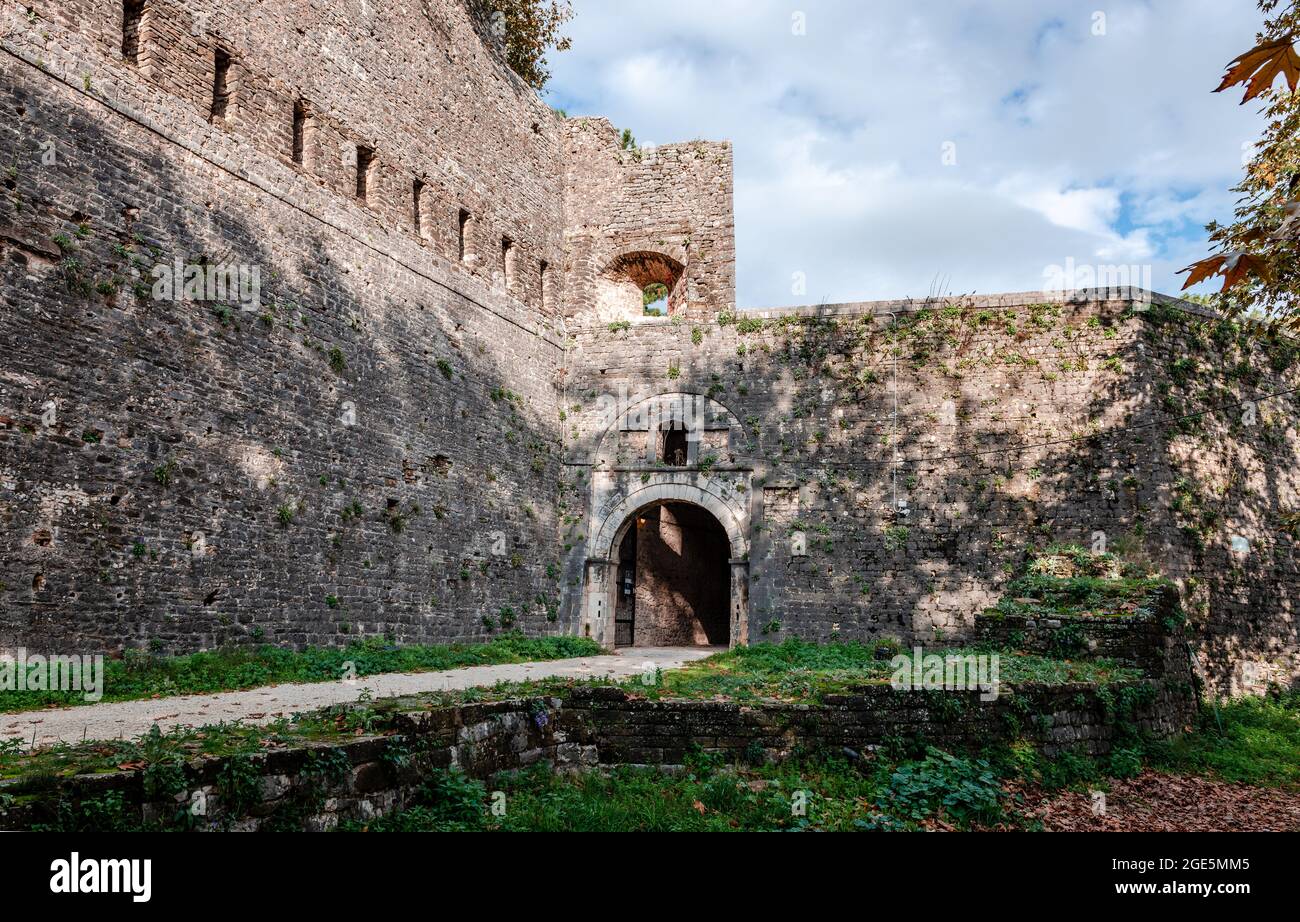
(410, 433)
(1021, 420)
(373, 448)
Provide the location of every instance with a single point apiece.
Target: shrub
(960, 790)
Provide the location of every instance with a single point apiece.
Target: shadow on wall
(676, 560)
(1020, 425)
(1118, 466)
(358, 455)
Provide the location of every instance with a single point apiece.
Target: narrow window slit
(220, 84)
(508, 261)
(132, 18)
(417, 205)
(365, 163)
(463, 233)
(299, 132)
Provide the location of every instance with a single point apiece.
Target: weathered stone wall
(412, 82)
(1226, 521)
(1020, 422)
(372, 448)
(1058, 719)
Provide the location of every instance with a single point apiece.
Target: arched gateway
(668, 555)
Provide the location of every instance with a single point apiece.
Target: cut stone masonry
(444, 406)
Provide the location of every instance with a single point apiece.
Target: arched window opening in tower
(634, 283)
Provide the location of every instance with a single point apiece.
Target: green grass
(795, 671)
(1259, 743)
(805, 672)
(140, 676)
(1046, 596)
(1071, 581)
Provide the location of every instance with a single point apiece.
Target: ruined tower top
(637, 217)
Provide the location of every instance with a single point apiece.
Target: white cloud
(1069, 145)
(1090, 210)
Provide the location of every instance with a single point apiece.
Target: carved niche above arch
(672, 431)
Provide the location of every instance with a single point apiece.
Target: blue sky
(898, 147)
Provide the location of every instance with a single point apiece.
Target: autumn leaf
(700, 808)
(1234, 266)
(1260, 67)
(1156, 802)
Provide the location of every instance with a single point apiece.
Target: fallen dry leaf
(1156, 802)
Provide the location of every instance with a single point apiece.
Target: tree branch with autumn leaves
(526, 30)
(1257, 252)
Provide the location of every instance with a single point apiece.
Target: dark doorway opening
(674, 580)
(677, 449)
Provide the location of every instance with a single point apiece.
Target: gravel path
(132, 719)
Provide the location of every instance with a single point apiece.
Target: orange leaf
(1260, 67)
(1200, 271)
(1239, 266)
(700, 808)
(1235, 267)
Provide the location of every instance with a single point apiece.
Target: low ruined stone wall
(1076, 718)
(313, 787)
(1153, 642)
(1136, 641)
(317, 787)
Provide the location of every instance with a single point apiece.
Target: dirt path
(131, 719)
